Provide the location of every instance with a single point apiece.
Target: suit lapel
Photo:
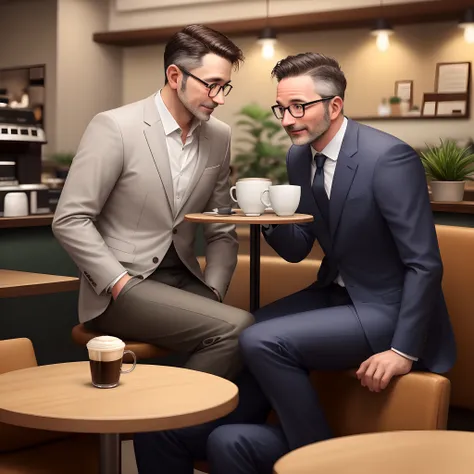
(155, 137)
(346, 168)
(203, 156)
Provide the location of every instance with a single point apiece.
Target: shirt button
(155, 260)
(175, 231)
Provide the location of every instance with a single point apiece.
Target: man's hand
(376, 372)
(117, 288)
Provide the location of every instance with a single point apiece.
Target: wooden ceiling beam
(402, 14)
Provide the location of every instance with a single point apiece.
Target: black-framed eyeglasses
(214, 88)
(296, 110)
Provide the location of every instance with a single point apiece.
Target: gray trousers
(175, 310)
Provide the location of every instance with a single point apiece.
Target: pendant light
(383, 30)
(467, 24)
(267, 37)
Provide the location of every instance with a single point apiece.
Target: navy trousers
(316, 328)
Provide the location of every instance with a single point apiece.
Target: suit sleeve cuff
(409, 357)
(111, 285)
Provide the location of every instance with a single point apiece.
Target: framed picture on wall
(404, 90)
(453, 78)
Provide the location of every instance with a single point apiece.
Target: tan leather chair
(28, 451)
(457, 252)
(417, 401)
(142, 350)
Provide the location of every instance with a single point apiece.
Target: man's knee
(255, 339)
(239, 318)
(225, 440)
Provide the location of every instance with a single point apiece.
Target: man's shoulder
(375, 138)
(218, 126)
(125, 112)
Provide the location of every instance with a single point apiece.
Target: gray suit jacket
(116, 210)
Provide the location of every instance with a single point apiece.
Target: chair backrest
(457, 252)
(18, 354)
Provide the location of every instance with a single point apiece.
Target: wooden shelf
(409, 13)
(414, 117)
(463, 207)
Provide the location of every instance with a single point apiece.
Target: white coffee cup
(15, 205)
(248, 192)
(284, 198)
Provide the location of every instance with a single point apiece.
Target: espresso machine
(21, 139)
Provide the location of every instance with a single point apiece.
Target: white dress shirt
(182, 156)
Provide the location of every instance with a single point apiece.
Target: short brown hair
(323, 70)
(187, 47)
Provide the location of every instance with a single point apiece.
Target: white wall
(89, 74)
(371, 75)
(28, 37)
(137, 14)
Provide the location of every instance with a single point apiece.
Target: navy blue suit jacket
(381, 239)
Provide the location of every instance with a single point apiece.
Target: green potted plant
(264, 153)
(448, 167)
(395, 105)
(63, 161)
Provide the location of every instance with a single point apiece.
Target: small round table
(407, 452)
(255, 222)
(61, 397)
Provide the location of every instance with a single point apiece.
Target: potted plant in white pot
(448, 167)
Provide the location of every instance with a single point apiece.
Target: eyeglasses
(214, 88)
(296, 110)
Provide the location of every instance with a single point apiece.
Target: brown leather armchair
(28, 451)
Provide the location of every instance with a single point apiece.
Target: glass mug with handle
(248, 192)
(284, 199)
(106, 357)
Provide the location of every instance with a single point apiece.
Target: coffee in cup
(248, 192)
(105, 357)
(284, 198)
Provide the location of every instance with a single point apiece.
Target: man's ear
(173, 74)
(336, 107)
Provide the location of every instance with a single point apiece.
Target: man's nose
(287, 119)
(219, 98)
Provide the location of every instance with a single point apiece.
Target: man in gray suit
(138, 170)
(377, 305)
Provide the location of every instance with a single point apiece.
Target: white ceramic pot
(447, 191)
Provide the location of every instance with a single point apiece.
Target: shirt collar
(169, 123)
(333, 148)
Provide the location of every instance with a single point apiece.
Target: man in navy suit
(377, 304)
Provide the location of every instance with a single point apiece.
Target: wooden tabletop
(241, 218)
(39, 220)
(61, 397)
(407, 452)
(14, 283)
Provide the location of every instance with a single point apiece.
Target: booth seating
(29, 451)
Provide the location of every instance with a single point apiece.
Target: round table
(61, 397)
(255, 222)
(407, 452)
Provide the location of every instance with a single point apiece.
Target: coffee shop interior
(408, 66)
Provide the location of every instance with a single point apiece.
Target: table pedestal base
(110, 454)
(254, 267)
